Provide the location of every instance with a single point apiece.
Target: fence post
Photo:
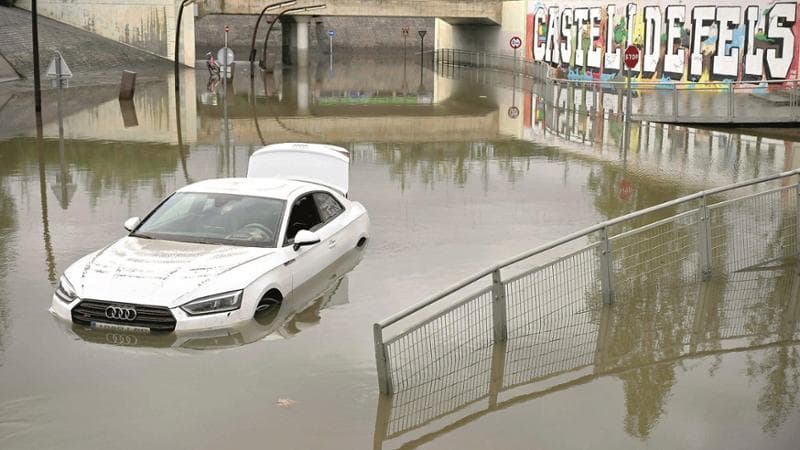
(606, 276)
(704, 240)
(499, 307)
(382, 361)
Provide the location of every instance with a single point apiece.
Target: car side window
(304, 216)
(328, 206)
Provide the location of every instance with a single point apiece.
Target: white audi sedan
(216, 252)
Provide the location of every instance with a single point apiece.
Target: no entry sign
(515, 42)
(631, 57)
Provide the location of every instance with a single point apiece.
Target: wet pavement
(453, 183)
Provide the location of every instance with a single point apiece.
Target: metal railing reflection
(747, 310)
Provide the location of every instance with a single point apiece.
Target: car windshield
(215, 219)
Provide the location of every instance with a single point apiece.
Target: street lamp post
(286, 11)
(269, 7)
(36, 80)
(178, 41)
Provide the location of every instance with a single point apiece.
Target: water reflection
(8, 229)
(297, 312)
(642, 343)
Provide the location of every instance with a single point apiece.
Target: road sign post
(404, 32)
(515, 43)
(631, 61)
(422, 34)
(331, 34)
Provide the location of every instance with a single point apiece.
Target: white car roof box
(323, 164)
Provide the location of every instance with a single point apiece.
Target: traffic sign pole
(515, 43)
(331, 33)
(631, 60)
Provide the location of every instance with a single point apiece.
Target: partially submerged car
(216, 252)
(298, 311)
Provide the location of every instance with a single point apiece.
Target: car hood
(156, 272)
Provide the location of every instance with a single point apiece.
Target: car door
(308, 259)
(330, 232)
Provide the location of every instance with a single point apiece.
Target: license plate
(115, 327)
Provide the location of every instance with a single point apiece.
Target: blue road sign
(331, 33)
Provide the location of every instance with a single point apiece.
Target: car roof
(256, 187)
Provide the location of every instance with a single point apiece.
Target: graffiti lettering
(688, 41)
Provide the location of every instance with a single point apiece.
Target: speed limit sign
(515, 42)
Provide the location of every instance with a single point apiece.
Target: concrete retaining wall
(148, 25)
(351, 33)
(354, 33)
(484, 11)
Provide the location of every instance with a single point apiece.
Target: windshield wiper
(140, 235)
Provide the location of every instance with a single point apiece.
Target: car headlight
(65, 292)
(228, 301)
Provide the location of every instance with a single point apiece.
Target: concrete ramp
(85, 52)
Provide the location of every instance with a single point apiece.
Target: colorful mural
(691, 40)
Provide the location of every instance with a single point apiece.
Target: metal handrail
(715, 84)
(571, 237)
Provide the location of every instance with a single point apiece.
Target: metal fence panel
(442, 344)
(754, 229)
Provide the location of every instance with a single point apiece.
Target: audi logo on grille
(121, 312)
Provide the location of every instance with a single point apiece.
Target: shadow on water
(298, 311)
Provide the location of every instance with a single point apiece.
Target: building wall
(148, 25)
(689, 40)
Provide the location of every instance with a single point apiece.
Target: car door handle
(332, 243)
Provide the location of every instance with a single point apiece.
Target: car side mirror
(131, 223)
(305, 237)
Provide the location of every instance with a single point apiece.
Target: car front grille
(156, 318)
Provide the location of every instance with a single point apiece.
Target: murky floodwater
(454, 180)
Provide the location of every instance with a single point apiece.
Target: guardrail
(747, 310)
(757, 101)
(485, 60)
(685, 239)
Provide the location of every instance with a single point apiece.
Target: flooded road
(452, 184)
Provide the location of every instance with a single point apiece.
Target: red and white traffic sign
(515, 42)
(631, 57)
(513, 112)
(227, 28)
